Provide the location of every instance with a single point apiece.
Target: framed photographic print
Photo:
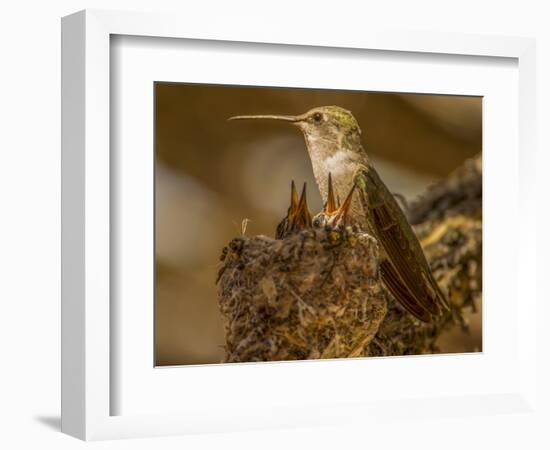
(301, 295)
(266, 229)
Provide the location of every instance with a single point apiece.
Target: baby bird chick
(298, 217)
(334, 217)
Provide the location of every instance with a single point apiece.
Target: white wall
(30, 190)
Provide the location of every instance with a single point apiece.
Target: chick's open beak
(293, 209)
(303, 216)
(342, 212)
(330, 206)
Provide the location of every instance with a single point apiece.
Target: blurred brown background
(211, 174)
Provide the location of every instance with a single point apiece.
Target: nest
(316, 294)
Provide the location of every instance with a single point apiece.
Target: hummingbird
(333, 141)
(298, 216)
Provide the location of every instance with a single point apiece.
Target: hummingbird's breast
(342, 165)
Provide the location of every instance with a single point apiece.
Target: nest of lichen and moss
(318, 295)
(315, 294)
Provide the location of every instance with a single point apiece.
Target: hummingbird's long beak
(292, 119)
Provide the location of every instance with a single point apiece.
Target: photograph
(307, 224)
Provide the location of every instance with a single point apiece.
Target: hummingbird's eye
(317, 222)
(317, 117)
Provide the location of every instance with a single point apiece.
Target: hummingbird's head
(329, 123)
(329, 127)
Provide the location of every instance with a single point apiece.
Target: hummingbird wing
(399, 291)
(407, 274)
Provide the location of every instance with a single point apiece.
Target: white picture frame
(88, 386)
